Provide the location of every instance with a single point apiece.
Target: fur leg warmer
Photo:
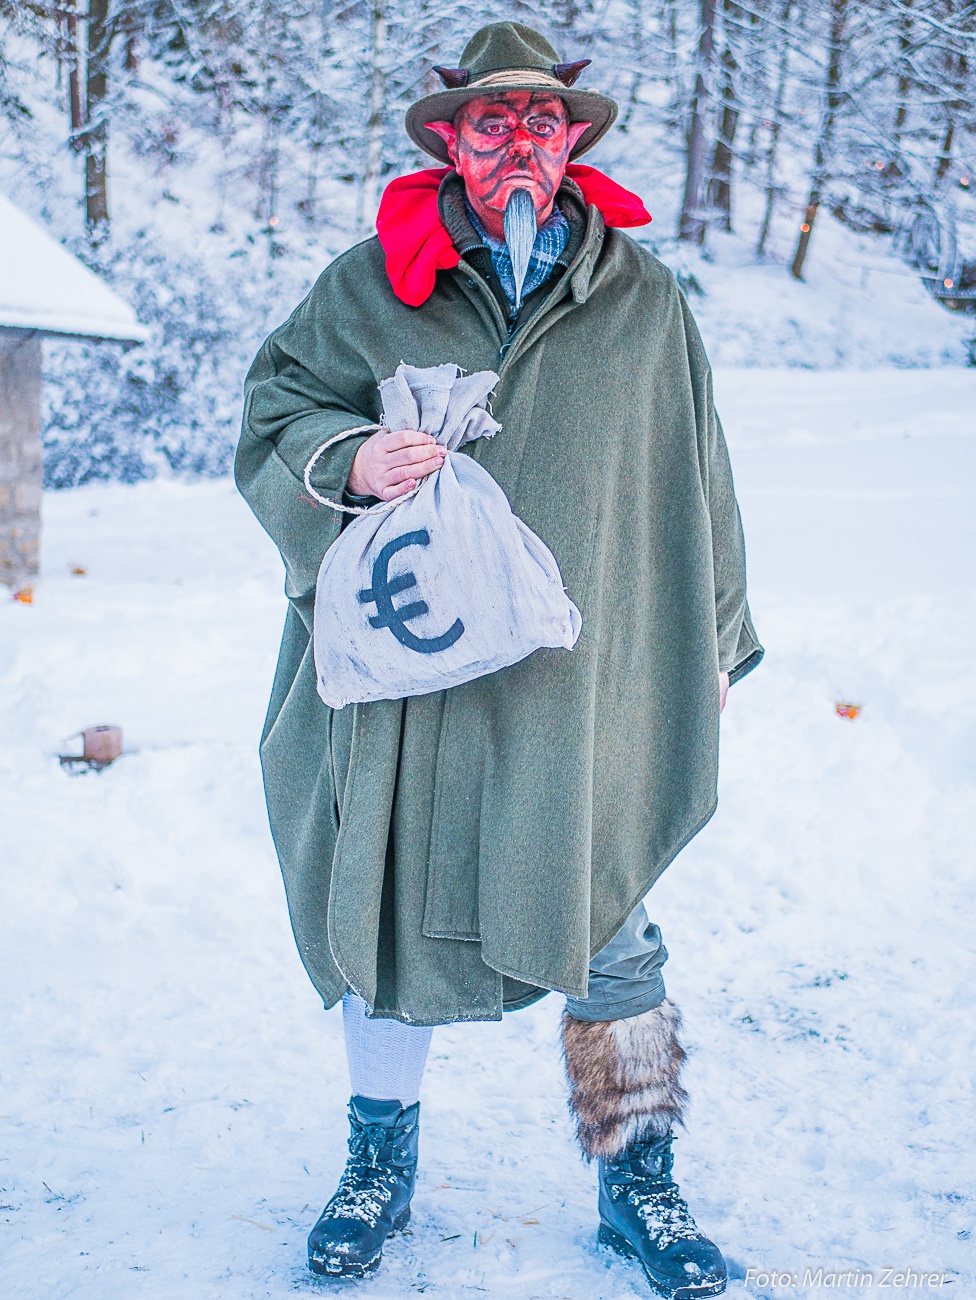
(624, 1079)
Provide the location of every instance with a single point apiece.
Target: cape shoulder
(352, 290)
(637, 259)
(359, 267)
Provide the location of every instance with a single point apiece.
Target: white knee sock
(386, 1058)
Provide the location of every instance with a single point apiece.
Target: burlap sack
(445, 584)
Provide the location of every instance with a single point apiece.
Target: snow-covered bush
(172, 404)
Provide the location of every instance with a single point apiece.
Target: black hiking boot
(372, 1200)
(643, 1216)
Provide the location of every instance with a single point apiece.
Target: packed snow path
(173, 1095)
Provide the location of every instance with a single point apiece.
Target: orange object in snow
(848, 711)
(25, 595)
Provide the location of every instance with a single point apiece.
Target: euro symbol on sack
(383, 590)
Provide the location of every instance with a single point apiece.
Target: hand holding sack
(444, 584)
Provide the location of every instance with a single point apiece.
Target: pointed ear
(446, 130)
(575, 130)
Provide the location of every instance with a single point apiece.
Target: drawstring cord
(378, 509)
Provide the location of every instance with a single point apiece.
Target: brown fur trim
(624, 1078)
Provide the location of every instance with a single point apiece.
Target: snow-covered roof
(43, 287)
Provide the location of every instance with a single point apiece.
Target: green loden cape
(453, 855)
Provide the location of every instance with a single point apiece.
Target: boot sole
(612, 1239)
(324, 1266)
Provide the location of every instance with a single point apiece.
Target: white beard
(520, 233)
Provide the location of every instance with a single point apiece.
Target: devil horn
(454, 78)
(567, 73)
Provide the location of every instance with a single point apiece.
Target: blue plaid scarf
(550, 241)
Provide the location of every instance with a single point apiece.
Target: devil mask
(519, 140)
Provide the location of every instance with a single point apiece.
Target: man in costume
(450, 856)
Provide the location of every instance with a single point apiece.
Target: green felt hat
(502, 57)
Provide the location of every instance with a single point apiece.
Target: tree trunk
(958, 78)
(904, 73)
(774, 130)
(130, 25)
(825, 134)
(672, 63)
(309, 205)
(267, 199)
(376, 121)
(720, 185)
(673, 74)
(692, 223)
(945, 154)
(806, 230)
(637, 37)
(76, 116)
(96, 127)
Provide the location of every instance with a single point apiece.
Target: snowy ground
(172, 1095)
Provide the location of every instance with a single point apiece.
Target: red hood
(417, 244)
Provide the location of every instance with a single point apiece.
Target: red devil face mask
(516, 140)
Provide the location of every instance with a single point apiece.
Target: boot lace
(665, 1214)
(367, 1183)
(643, 1177)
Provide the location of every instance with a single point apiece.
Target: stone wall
(21, 464)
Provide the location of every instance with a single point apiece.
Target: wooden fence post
(21, 463)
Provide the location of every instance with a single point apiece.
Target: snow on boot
(372, 1200)
(643, 1215)
(626, 1096)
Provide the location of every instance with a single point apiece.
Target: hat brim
(581, 105)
